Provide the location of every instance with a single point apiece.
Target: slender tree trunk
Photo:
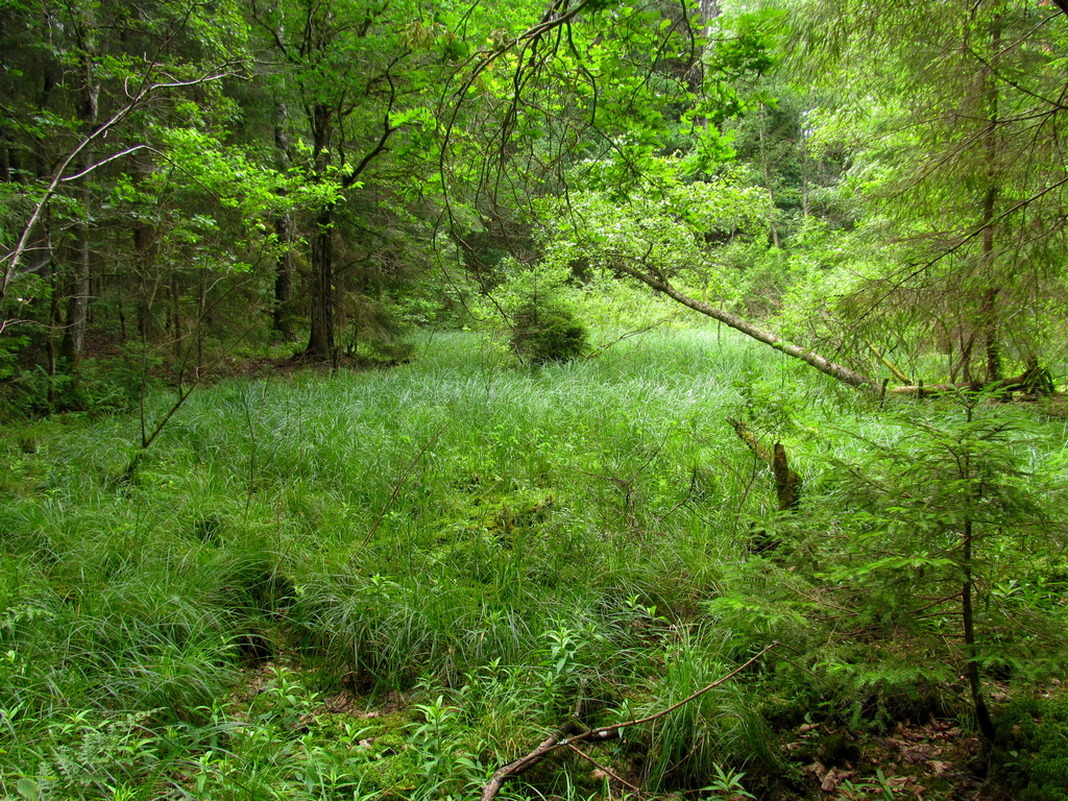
(53, 328)
(283, 279)
(143, 260)
(321, 340)
(202, 318)
(824, 365)
(971, 651)
(767, 178)
(321, 343)
(176, 319)
(283, 269)
(988, 308)
(78, 304)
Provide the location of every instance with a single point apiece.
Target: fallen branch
(611, 774)
(1035, 380)
(554, 742)
(893, 368)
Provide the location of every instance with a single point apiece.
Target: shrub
(545, 330)
(1033, 741)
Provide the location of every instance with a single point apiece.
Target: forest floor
(386, 585)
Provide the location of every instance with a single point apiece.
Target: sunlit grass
(515, 541)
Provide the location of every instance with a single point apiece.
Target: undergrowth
(387, 585)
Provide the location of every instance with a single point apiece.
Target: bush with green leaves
(1032, 757)
(545, 330)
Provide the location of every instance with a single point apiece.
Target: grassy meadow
(387, 584)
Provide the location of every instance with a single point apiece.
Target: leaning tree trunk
(824, 365)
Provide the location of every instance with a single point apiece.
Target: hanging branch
(558, 741)
(14, 256)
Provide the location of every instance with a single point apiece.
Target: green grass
(504, 547)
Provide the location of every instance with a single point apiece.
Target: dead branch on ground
(561, 739)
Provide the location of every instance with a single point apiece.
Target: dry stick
(551, 743)
(644, 329)
(148, 437)
(401, 481)
(606, 770)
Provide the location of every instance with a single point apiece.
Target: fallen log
(1035, 380)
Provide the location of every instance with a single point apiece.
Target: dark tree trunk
(321, 340)
(988, 308)
(982, 714)
(283, 278)
(78, 303)
(143, 245)
(321, 343)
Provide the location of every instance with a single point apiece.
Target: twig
(607, 731)
(643, 330)
(936, 602)
(551, 744)
(606, 770)
(401, 481)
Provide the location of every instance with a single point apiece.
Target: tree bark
(282, 314)
(321, 340)
(988, 308)
(78, 303)
(971, 668)
(824, 365)
(787, 482)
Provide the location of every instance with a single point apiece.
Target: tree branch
(550, 744)
(14, 256)
(824, 365)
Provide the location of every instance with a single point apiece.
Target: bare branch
(550, 744)
(13, 257)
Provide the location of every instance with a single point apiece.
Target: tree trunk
(971, 666)
(78, 303)
(824, 365)
(321, 340)
(176, 321)
(321, 343)
(767, 177)
(988, 308)
(282, 314)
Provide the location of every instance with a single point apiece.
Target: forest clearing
(553, 399)
(391, 584)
